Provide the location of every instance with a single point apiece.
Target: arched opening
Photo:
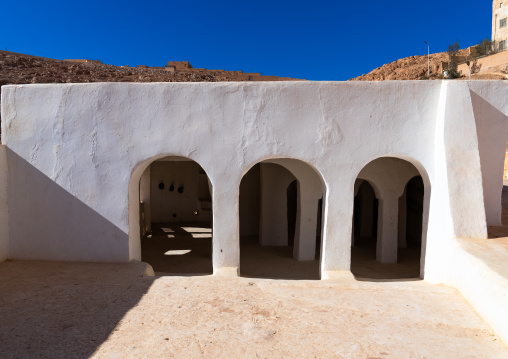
(388, 221)
(280, 220)
(414, 213)
(365, 221)
(175, 217)
(292, 205)
(498, 210)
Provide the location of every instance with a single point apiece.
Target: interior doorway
(280, 220)
(176, 217)
(388, 221)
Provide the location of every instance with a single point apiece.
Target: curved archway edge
(389, 175)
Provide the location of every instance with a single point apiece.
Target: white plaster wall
(479, 282)
(464, 175)
(166, 203)
(77, 153)
(4, 218)
(492, 128)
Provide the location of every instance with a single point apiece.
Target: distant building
(499, 23)
(186, 67)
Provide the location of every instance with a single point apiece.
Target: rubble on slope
(415, 68)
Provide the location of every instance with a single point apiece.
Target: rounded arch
(133, 199)
(391, 189)
(275, 159)
(371, 183)
(274, 174)
(417, 164)
(140, 167)
(411, 179)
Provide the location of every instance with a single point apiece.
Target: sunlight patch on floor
(177, 252)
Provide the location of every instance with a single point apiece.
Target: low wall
(498, 59)
(480, 282)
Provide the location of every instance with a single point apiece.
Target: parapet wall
(499, 59)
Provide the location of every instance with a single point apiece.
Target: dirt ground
(91, 310)
(82, 310)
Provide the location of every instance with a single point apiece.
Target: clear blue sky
(315, 40)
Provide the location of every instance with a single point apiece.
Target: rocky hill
(26, 69)
(414, 67)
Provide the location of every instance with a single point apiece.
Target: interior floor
(273, 262)
(186, 249)
(179, 248)
(365, 266)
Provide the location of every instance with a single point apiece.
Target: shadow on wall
(64, 310)
(47, 222)
(492, 149)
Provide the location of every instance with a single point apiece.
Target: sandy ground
(90, 310)
(82, 310)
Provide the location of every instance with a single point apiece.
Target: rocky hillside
(409, 68)
(25, 69)
(414, 67)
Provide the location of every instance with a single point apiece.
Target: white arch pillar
(310, 190)
(226, 225)
(306, 225)
(388, 177)
(387, 231)
(402, 220)
(336, 248)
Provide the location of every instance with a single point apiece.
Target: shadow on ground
(57, 310)
(186, 249)
(257, 261)
(179, 249)
(365, 267)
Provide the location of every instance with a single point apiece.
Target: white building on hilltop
(499, 23)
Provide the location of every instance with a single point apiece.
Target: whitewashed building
(76, 159)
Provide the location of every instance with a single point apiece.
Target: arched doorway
(388, 220)
(280, 220)
(175, 217)
(365, 220)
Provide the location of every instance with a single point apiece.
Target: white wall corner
(463, 166)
